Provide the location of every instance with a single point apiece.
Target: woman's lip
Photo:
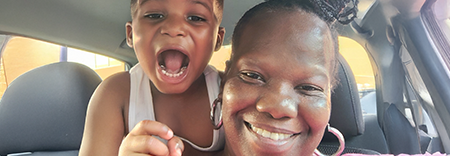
(272, 128)
(269, 145)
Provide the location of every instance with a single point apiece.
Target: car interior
(42, 111)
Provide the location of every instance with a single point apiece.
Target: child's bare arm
(104, 128)
(105, 125)
(140, 140)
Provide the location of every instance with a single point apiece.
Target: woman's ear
(129, 34)
(220, 37)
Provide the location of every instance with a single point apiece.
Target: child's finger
(149, 127)
(146, 144)
(176, 146)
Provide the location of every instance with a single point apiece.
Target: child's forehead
(206, 3)
(215, 6)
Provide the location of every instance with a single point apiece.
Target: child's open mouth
(173, 63)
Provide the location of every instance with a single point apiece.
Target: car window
(21, 54)
(442, 16)
(219, 58)
(358, 60)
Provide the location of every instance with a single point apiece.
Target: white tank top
(141, 102)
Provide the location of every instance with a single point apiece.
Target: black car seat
(42, 112)
(362, 133)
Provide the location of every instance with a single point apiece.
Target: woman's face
(276, 100)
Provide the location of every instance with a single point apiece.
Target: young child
(172, 86)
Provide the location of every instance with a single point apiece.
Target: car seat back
(362, 133)
(44, 109)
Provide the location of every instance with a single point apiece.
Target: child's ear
(220, 37)
(227, 66)
(129, 33)
(223, 75)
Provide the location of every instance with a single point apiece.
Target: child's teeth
(173, 75)
(271, 135)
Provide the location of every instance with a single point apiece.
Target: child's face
(276, 99)
(174, 40)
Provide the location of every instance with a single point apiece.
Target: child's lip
(169, 79)
(173, 47)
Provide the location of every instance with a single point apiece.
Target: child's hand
(141, 140)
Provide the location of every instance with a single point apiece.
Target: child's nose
(279, 103)
(173, 27)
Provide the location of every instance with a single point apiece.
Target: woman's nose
(174, 27)
(280, 103)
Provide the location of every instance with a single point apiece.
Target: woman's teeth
(271, 135)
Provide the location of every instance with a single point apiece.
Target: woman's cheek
(317, 113)
(237, 95)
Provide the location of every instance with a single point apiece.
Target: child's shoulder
(118, 79)
(116, 85)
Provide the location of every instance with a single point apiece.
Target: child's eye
(251, 77)
(196, 19)
(155, 16)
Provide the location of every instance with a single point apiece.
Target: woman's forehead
(298, 30)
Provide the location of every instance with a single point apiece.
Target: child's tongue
(173, 60)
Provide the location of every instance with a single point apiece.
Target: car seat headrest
(44, 109)
(346, 113)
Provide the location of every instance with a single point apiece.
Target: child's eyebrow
(143, 1)
(192, 1)
(202, 3)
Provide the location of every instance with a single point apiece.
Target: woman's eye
(155, 16)
(252, 76)
(309, 88)
(196, 19)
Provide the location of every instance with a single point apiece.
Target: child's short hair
(329, 11)
(218, 4)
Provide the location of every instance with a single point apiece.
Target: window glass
(22, 54)
(363, 7)
(220, 57)
(359, 62)
(442, 14)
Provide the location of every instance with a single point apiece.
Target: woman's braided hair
(330, 11)
(344, 11)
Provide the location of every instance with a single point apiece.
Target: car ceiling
(93, 25)
(99, 25)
